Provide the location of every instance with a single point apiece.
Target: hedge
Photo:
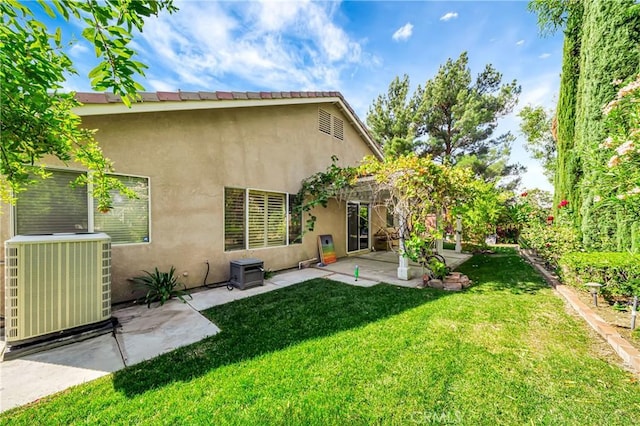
(618, 272)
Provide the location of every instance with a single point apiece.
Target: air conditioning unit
(55, 283)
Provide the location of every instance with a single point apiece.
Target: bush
(549, 241)
(161, 287)
(618, 272)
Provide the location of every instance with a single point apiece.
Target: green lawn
(503, 352)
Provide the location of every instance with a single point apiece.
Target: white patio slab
(382, 267)
(219, 296)
(37, 375)
(146, 333)
(346, 279)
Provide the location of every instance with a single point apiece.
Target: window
(234, 219)
(128, 220)
(390, 217)
(258, 219)
(53, 206)
(295, 220)
(267, 225)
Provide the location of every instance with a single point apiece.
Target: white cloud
(519, 42)
(275, 45)
(544, 55)
(540, 90)
(79, 49)
(162, 85)
(403, 33)
(448, 16)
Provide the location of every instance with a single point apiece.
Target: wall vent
(55, 283)
(330, 124)
(324, 121)
(338, 128)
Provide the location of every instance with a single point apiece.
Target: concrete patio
(146, 333)
(382, 266)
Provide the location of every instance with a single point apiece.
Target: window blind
(53, 205)
(276, 223)
(234, 231)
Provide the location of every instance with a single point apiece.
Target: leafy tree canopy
(36, 119)
(458, 115)
(392, 118)
(552, 14)
(452, 119)
(537, 127)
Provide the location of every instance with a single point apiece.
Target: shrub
(619, 272)
(438, 269)
(549, 241)
(161, 286)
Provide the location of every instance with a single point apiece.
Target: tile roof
(109, 98)
(105, 98)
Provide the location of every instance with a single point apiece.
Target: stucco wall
(190, 156)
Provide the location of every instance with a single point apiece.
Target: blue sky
(354, 47)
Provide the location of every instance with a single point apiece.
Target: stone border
(629, 354)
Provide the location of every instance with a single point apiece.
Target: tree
(392, 118)
(36, 119)
(491, 164)
(481, 213)
(458, 115)
(600, 47)
(552, 14)
(537, 126)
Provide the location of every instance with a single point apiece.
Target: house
(216, 174)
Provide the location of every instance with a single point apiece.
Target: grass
(503, 352)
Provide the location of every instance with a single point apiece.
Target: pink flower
(631, 87)
(524, 194)
(607, 109)
(608, 143)
(613, 161)
(625, 148)
(549, 218)
(563, 203)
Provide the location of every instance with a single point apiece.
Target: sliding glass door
(358, 215)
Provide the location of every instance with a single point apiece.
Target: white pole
(439, 245)
(458, 234)
(404, 271)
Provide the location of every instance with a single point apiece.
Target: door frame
(359, 204)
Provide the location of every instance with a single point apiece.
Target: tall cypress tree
(609, 52)
(602, 39)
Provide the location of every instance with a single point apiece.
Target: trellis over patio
(380, 199)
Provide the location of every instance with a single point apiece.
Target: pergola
(366, 188)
